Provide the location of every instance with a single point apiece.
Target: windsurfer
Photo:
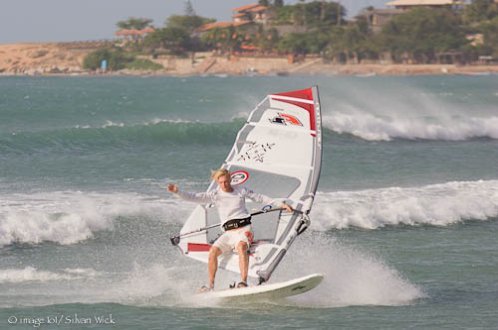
(236, 221)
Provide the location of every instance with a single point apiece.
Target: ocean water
(404, 226)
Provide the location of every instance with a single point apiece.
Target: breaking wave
(364, 125)
(68, 217)
(385, 128)
(438, 205)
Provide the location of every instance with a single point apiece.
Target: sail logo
(285, 119)
(255, 152)
(238, 177)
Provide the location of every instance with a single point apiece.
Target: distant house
(409, 4)
(245, 15)
(221, 25)
(475, 39)
(377, 18)
(253, 13)
(134, 35)
(247, 29)
(248, 17)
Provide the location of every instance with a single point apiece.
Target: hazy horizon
(63, 20)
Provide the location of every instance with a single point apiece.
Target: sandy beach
(67, 59)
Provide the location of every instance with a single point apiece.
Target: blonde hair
(215, 175)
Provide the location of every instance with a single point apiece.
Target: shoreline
(65, 59)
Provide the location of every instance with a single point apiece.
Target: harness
(236, 223)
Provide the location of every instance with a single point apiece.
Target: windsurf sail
(277, 153)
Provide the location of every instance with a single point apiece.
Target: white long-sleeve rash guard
(230, 205)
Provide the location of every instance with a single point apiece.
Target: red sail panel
(198, 247)
(306, 94)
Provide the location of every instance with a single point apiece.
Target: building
(410, 4)
(253, 13)
(221, 25)
(134, 35)
(377, 18)
(242, 16)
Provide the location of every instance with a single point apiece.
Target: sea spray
(153, 284)
(351, 276)
(393, 110)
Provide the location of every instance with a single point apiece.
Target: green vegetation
(174, 39)
(422, 33)
(144, 65)
(116, 59)
(419, 35)
(490, 33)
(187, 23)
(480, 11)
(134, 23)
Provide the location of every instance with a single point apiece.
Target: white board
(267, 291)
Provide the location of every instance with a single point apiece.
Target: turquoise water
(404, 226)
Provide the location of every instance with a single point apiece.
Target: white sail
(277, 153)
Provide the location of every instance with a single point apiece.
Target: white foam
(372, 127)
(69, 217)
(82, 126)
(152, 122)
(83, 272)
(156, 121)
(438, 205)
(31, 274)
(153, 284)
(110, 123)
(143, 285)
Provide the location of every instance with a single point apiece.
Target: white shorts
(229, 240)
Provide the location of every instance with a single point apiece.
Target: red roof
(249, 47)
(148, 30)
(132, 32)
(241, 23)
(221, 25)
(246, 7)
(210, 26)
(258, 9)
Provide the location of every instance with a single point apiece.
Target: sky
(75, 20)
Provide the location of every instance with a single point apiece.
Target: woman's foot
(242, 285)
